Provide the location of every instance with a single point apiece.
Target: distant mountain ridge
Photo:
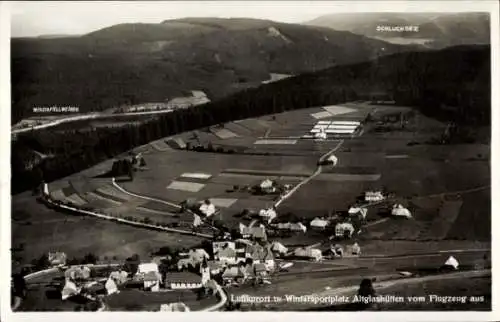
(137, 63)
(437, 30)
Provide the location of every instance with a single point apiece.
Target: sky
(29, 19)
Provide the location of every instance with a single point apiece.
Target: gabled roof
(227, 252)
(183, 277)
(152, 276)
(232, 272)
(147, 267)
(260, 267)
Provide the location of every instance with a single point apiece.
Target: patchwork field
(36, 230)
(445, 187)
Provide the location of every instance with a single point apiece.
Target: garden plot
(338, 110)
(275, 142)
(159, 207)
(240, 179)
(69, 190)
(267, 173)
(238, 129)
(185, 186)
(76, 200)
(370, 160)
(128, 207)
(394, 229)
(134, 300)
(184, 220)
(397, 156)
(196, 176)
(224, 134)
(237, 179)
(296, 116)
(354, 170)
(256, 127)
(297, 130)
(250, 203)
(322, 115)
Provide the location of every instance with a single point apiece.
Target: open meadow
(445, 187)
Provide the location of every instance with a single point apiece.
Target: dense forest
(137, 63)
(452, 84)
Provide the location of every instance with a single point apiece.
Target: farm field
(422, 177)
(36, 230)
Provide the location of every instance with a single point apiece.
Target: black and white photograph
(217, 156)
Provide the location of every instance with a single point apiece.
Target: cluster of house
(78, 281)
(242, 260)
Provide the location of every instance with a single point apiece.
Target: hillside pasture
(41, 230)
(318, 198)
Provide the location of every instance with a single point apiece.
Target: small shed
(308, 252)
(77, 273)
(147, 267)
(452, 262)
(319, 223)
(400, 211)
(344, 229)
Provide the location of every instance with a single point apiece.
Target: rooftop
(182, 277)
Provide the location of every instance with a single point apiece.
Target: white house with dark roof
(256, 233)
(152, 281)
(227, 255)
(219, 245)
(183, 281)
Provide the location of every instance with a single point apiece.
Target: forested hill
(138, 63)
(453, 84)
(435, 30)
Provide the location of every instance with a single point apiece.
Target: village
(232, 259)
(293, 203)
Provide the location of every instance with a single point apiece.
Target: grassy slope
(41, 230)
